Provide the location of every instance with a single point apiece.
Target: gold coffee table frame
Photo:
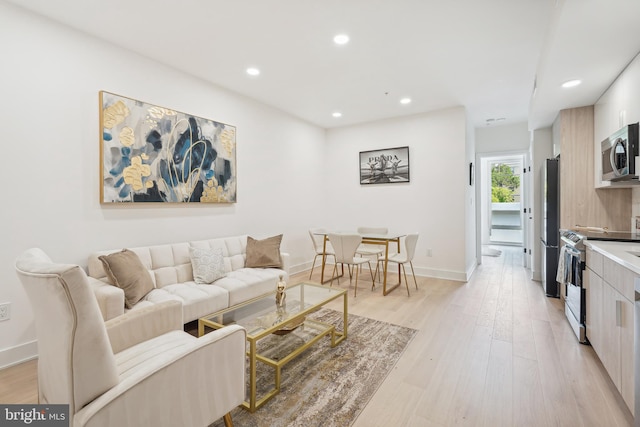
(304, 298)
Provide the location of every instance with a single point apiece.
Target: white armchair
(139, 369)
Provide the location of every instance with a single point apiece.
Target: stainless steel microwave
(620, 155)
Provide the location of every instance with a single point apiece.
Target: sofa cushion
(126, 271)
(248, 283)
(207, 264)
(264, 253)
(197, 300)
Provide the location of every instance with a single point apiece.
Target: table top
(392, 235)
(261, 316)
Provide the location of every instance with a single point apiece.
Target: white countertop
(619, 252)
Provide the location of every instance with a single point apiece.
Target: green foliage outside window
(503, 183)
(501, 195)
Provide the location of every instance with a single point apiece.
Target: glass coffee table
(262, 318)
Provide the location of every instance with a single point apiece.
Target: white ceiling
(481, 54)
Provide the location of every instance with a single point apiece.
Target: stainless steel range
(570, 268)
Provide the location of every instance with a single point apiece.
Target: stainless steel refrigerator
(550, 238)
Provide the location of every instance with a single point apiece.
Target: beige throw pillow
(127, 272)
(207, 264)
(264, 253)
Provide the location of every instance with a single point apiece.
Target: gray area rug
(327, 386)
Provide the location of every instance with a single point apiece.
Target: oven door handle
(573, 251)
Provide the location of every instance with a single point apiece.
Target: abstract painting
(386, 166)
(155, 154)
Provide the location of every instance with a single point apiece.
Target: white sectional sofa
(171, 271)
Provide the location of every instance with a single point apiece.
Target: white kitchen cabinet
(610, 353)
(627, 368)
(594, 322)
(610, 320)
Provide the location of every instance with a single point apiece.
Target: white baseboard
(18, 354)
(470, 271)
(458, 276)
(295, 269)
(536, 275)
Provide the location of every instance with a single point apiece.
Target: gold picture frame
(155, 154)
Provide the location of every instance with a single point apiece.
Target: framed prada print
(386, 166)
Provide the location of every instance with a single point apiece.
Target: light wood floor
(491, 352)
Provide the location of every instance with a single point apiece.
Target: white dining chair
(317, 240)
(345, 245)
(369, 250)
(406, 257)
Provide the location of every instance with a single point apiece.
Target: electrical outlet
(5, 311)
(429, 253)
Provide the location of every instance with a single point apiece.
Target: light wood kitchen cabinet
(594, 322)
(610, 320)
(581, 203)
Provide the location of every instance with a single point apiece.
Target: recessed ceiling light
(341, 39)
(337, 114)
(571, 83)
(405, 101)
(252, 71)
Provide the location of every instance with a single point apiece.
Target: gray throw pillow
(207, 264)
(264, 253)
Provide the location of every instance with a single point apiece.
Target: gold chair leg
(355, 289)
(378, 273)
(414, 274)
(406, 282)
(228, 422)
(373, 282)
(334, 274)
(313, 265)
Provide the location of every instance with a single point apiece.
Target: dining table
(385, 240)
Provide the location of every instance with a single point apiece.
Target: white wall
(434, 203)
(617, 107)
(484, 199)
(512, 137)
(291, 175)
(473, 252)
(50, 78)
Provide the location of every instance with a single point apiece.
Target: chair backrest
(410, 242)
(345, 246)
(373, 230)
(75, 360)
(316, 239)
